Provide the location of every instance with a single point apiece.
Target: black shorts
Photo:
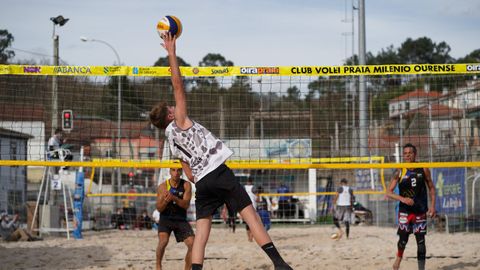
(181, 229)
(217, 188)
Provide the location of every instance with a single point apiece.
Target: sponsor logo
(144, 71)
(72, 70)
(473, 67)
(219, 71)
(195, 70)
(259, 70)
(110, 70)
(32, 69)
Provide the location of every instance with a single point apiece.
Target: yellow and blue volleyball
(169, 24)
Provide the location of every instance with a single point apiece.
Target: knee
(189, 243)
(402, 242)
(162, 245)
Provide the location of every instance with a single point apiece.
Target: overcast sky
(247, 32)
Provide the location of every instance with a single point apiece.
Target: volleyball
(169, 24)
(334, 236)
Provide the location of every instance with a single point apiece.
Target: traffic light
(67, 120)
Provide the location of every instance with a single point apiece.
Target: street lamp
(60, 21)
(119, 115)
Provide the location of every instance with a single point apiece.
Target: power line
(36, 53)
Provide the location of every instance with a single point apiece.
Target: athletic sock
(421, 264)
(273, 254)
(196, 266)
(347, 228)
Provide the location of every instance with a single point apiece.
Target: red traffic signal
(67, 120)
(131, 174)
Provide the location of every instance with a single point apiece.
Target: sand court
(303, 247)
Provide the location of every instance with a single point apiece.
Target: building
(13, 179)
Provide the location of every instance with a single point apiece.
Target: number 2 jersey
(411, 184)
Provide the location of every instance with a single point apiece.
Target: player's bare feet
(396, 264)
(339, 235)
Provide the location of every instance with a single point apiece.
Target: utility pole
(362, 95)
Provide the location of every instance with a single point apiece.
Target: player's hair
(344, 181)
(158, 115)
(411, 146)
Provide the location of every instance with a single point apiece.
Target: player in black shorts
(413, 208)
(173, 200)
(202, 156)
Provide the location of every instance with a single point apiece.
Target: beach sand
(304, 247)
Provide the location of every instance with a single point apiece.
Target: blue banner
(78, 197)
(363, 179)
(450, 190)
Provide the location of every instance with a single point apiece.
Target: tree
(424, 51)
(386, 56)
(6, 40)
(215, 60)
(473, 57)
(163, 62)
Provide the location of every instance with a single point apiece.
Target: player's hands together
(407, 201)
(168, 197)
(169, 42)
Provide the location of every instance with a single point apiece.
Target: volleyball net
(302, 127)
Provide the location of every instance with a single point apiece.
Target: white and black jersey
(198, 147)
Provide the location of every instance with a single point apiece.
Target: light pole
(119, 115)
(60, 21)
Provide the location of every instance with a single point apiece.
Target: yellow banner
(141, 71)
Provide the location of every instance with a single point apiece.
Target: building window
(407, 105)
(13, 150)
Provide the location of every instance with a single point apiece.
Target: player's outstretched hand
(169, 42)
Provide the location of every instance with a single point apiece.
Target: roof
(13, 134)
(436, 111)
(417, 94)
(22, 112)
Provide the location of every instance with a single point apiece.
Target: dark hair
(343, 181)
(158, 115)
(411, 146)
(58, 131)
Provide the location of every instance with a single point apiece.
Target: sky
(247, 32)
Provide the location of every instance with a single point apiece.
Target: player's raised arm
(181, 116)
